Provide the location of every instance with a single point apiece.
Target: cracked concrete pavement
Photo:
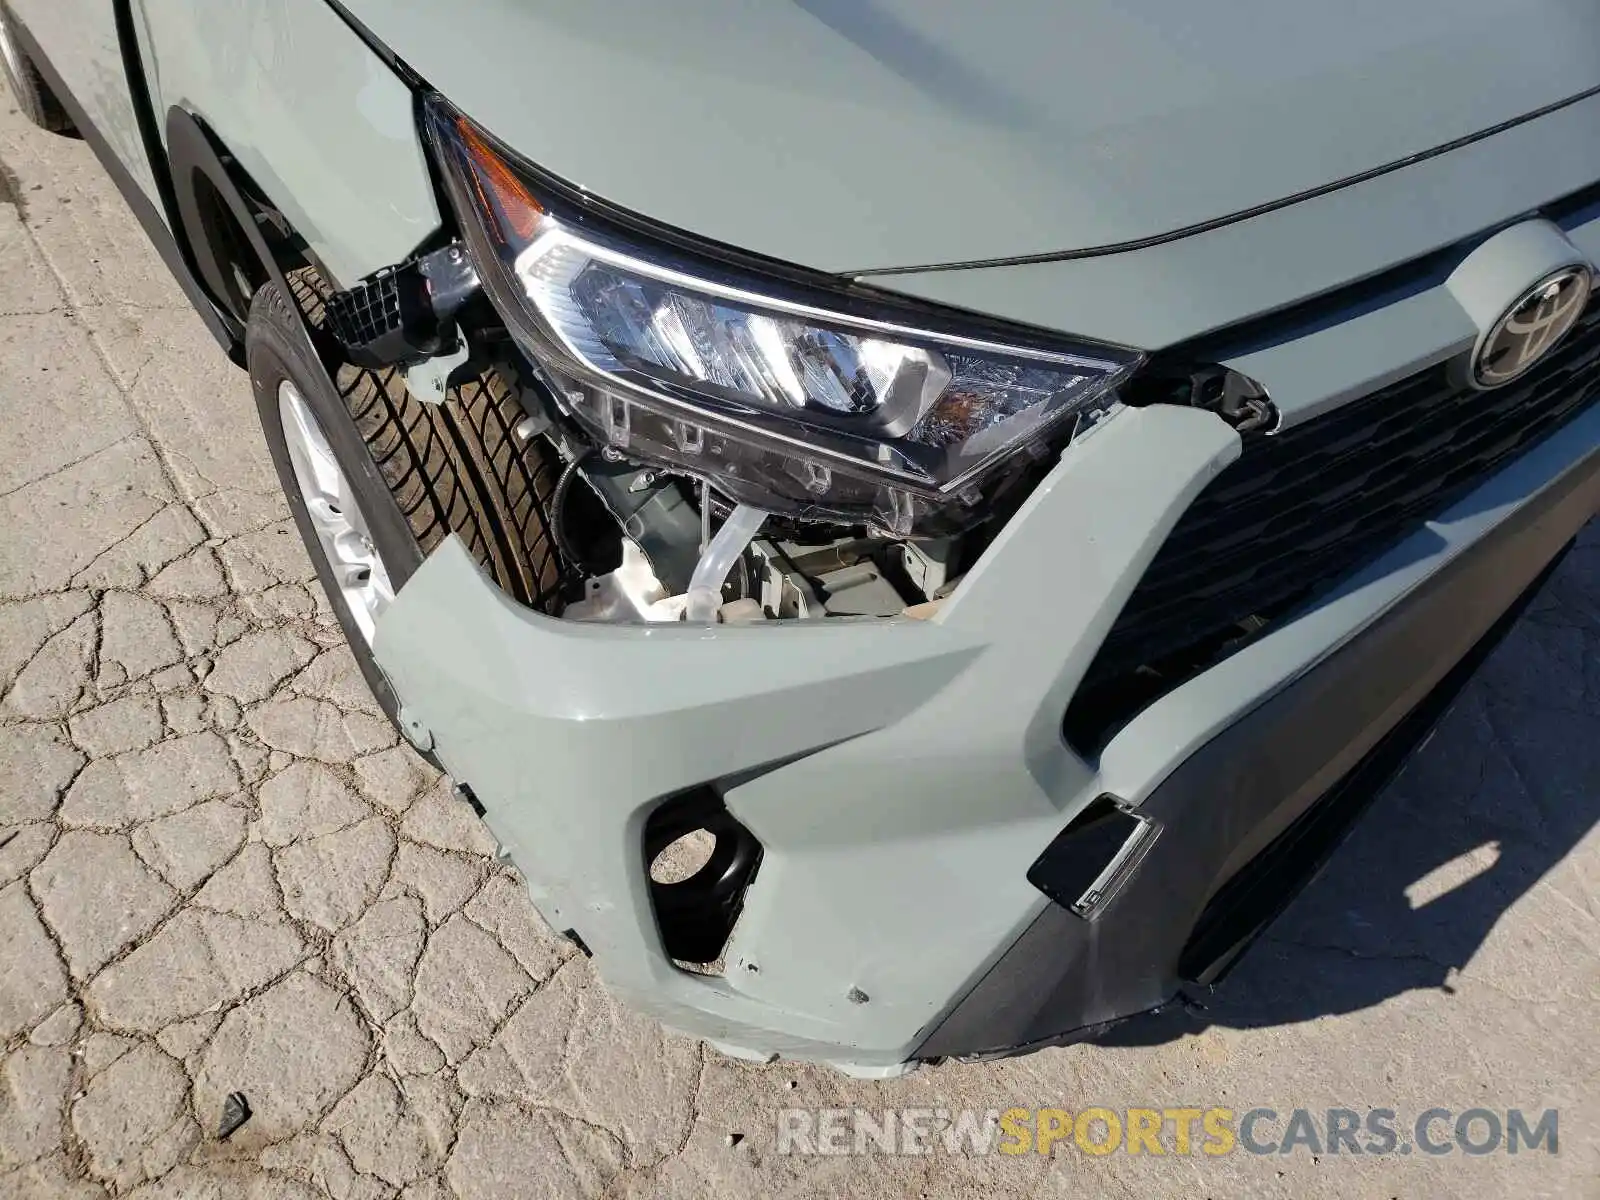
(220, 871)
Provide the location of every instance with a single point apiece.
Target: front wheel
(357, 537)
(376, 479)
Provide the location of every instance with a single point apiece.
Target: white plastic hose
(705, 585)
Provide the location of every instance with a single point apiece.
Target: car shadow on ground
(1506, 789)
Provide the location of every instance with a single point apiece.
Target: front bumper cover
(903, 776)
(1249, 818)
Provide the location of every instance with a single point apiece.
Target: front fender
(314, 117)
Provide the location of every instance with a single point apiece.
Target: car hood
(855, 134)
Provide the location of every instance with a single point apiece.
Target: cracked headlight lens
(778, 399)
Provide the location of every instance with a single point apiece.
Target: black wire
(558, 507)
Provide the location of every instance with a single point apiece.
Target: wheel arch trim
(195, 153)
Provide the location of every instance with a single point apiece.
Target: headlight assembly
(779, 401)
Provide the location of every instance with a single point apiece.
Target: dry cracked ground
(220, 872)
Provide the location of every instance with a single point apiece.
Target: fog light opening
(683, 858)
(699, 860)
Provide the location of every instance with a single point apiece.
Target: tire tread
(456, 467)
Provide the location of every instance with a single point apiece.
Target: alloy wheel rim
(342, 534)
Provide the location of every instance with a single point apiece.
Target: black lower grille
(1301, 510)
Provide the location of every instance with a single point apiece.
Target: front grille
(1301, 510)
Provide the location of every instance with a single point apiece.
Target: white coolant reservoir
(630, 593)
(742, 612)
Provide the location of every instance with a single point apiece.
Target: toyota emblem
(1531, 327)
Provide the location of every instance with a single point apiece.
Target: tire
(28, 89)
(419, 472)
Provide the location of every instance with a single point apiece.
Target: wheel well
(233, 245)
(174, 239)
(240, 268)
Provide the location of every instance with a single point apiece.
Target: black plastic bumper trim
(1064, 978)
(1254, 897)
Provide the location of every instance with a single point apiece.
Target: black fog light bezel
(695, 916)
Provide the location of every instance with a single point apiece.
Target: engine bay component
(630, 593)
(649, 509)
(840, 578)
(785, 591)
(860, 590)
(927, 565)
(1232, 395)
(745, 578)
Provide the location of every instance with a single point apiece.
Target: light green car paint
(583, 727)
(319, 123)
(850, 134)
(84, 49)
(317, 120)
(896, 853)
(853, 136)
(1168, 293)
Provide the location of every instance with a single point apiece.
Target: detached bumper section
(899, 775)
(1247, 820)
(902, 779)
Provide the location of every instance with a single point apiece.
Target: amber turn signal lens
(499, 189)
